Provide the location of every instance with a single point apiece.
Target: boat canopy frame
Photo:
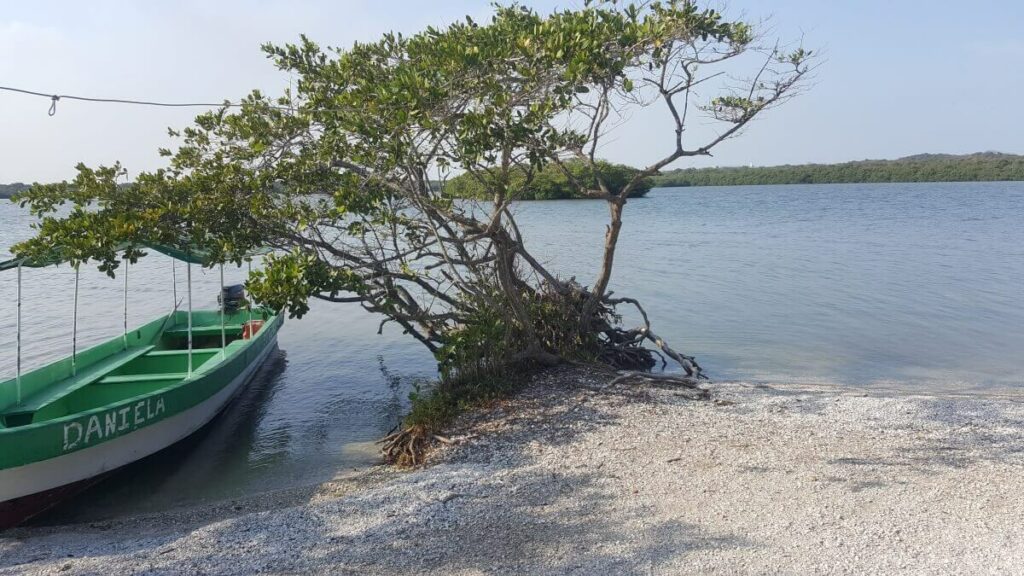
(187, 255)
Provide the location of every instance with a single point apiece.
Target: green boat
(68, 424)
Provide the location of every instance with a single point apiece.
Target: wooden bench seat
(178, 331)
(118, 379)
(86, 375)
(176, 352)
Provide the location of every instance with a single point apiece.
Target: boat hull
(29, 489)
(14, 512)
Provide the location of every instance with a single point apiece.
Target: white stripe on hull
(55, 472)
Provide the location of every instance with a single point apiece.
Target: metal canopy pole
(18, 377)
(223, 303)
(74, 330)
(189, 276)
(248, 300)
(124, 337)
(174, 287)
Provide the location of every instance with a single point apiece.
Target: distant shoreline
(772, 184)
(982, 167)
(9, 190)
(937, 168)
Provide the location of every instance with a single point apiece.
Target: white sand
(571, 479)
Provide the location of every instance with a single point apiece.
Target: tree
(337, 174)
(551, 182)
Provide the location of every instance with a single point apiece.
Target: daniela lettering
(111, 423)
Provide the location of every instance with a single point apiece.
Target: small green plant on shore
(434, 407)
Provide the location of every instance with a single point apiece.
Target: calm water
(909, 286)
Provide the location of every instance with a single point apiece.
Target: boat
(66, 425)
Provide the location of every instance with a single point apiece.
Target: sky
(898, 77)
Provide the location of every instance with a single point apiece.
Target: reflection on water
(913, 286)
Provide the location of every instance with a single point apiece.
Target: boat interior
(145, 360)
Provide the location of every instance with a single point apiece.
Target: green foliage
(435, 406)
(987, 166)
(556, 322)
(479, 346)
(478, 365)
(487, 343)
(550, 183)
(288, 279)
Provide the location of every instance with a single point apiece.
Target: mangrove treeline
(986, 166)
(550, 183)
(8, 190)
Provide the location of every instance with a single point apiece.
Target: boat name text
(111, 423)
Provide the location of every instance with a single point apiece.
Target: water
(912, 286)
(917, 287)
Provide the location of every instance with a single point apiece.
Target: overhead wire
(54, 98)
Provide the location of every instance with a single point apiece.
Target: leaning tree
(344, 175)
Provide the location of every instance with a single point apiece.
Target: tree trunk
(611, 239)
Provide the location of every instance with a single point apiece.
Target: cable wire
(54, 98)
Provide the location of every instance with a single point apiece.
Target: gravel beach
(575, 477)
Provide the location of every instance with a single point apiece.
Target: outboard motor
(232, 297)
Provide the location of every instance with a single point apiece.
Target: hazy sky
(901, 76)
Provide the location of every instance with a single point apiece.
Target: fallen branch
(688, 382)
(689, 363)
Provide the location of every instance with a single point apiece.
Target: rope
(54, 98)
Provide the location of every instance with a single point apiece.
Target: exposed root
(634, 338)
(623, 349)
(407, 446)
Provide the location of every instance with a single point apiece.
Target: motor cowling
(232, 298)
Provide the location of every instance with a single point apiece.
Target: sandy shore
(574, 478)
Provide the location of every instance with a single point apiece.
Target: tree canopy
(336, 174)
